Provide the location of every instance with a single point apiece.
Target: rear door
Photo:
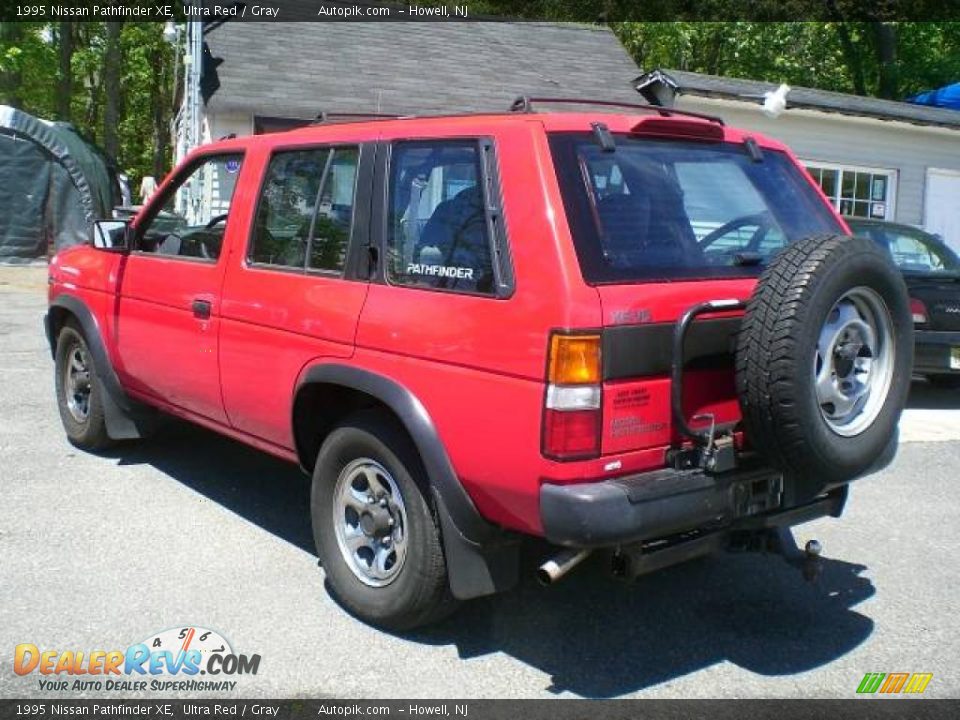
(294, 291)
(169, 286)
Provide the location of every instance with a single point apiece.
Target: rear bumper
(666, 502)
(932, 351)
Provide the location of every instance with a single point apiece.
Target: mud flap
(475, 570)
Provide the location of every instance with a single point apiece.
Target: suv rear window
(667, 209)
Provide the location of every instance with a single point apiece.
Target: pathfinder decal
(450, 271)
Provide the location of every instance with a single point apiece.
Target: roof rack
(325, 117)
(525, 103)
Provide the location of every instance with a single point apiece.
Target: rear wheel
(79, 392)
(823, 361)
(375, 530)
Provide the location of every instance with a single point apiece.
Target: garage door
(942, 206)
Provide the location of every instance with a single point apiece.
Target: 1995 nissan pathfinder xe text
(640, 334)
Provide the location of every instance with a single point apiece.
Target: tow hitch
(780, 541)
(631, 561)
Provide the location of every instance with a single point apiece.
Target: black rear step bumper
(661, 503)
(932, 351)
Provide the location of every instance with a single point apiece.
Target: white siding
(221, 124)
(832, 138)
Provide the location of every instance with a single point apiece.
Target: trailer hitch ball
(812, 564)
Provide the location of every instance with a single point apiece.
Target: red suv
(645, 335)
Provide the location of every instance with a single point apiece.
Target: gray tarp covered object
(53, 185)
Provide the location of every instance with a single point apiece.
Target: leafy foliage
(29, 69)
(810, 54)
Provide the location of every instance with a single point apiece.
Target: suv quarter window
(305, 209)
(443, 229)
(191, 217)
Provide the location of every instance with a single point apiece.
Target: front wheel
(376, 534)
(79, 392)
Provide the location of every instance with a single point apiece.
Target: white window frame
(892, 178)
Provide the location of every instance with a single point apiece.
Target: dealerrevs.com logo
(180, 659)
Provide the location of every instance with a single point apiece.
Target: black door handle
(201, 309)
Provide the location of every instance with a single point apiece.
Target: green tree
(885, 59)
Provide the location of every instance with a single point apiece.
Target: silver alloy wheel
(853, 365)
(370, 522)
(76, 383)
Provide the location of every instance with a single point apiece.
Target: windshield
(669, 209)
(913, 251)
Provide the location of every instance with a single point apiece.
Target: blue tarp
(946, 97)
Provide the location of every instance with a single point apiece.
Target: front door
(942, 206)
(169, 305)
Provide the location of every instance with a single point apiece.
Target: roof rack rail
(324, 117)
(524, 103)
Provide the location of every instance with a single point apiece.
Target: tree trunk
(11, 80)
(888, 82)
(65, 79)
(111, 89)
(851, 55)
(158, 105)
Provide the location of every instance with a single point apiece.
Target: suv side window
(438, 235)
(305, 211)
(193, 217)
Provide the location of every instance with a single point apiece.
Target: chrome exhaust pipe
(559, 565)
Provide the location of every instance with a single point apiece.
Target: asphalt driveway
(98, 552)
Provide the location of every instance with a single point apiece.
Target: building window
(857, 191)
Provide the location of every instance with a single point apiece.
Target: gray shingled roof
(300, 69)
(799, 97)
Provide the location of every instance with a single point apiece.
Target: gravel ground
(99, 552)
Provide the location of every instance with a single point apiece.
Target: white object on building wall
(775, 102)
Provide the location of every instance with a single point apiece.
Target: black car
(932, 272)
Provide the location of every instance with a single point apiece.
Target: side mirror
(111, 235)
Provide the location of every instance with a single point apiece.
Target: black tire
(87, 431)
(419, 594)
(777, 354)
(944, 382)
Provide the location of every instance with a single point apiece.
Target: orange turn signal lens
(574, 360)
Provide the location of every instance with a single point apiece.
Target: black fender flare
(126, 419)
(481, 558)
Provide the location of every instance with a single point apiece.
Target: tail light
(572, 415)
(919, 311)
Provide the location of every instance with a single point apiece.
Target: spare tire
(824, 357)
